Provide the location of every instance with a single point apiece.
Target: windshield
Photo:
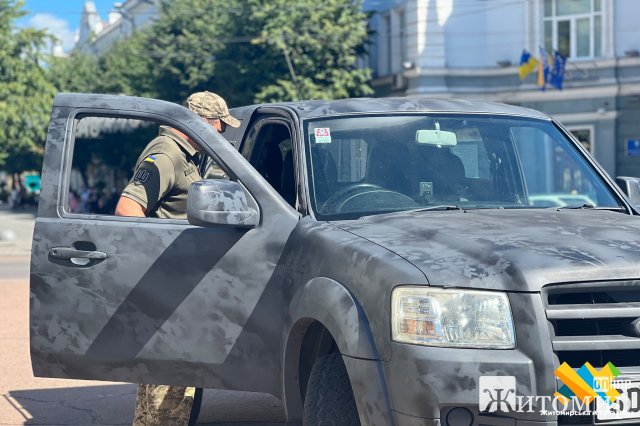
(367, 165)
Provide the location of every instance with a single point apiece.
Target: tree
(313, 46)
(246, 50)
(186, 50)
(77, 72)
(126, 68)
(25, 92)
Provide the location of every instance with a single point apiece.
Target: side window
(554, 175)
(343, 160)
(272, 157)
(473, 154)
(142, 159)
(584, 135)
(211, 170)
(337, 162)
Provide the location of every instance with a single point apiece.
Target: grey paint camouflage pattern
(517, 250)
(318, 108)
(228, 307)
(220, 202)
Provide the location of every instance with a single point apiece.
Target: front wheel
(329, 399)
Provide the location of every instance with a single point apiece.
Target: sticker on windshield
(426, 191)
(322, 134)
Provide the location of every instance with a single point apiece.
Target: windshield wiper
(430, 208)
(583, 206)
(420, 209)
(589, 207)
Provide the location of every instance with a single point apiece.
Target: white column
(608, 42)
(430, 34)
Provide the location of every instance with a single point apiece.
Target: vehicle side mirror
(631, 187)
(219, 202)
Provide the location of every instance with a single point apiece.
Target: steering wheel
(360, 195)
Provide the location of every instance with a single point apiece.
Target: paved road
(14, 268)
(16, 231)
(25, 399)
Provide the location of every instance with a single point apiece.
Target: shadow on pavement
(114, 405)
(93, 405)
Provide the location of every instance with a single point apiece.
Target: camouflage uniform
(160, 184)
(210, 105)
(164, 171)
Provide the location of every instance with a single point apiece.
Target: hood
(513, 250)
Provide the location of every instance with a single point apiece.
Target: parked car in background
(560, 200)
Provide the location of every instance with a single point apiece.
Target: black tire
(329, 400)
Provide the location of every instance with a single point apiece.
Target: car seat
(387, 166)
(443, 169)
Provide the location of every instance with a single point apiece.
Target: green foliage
(75, 73)
(246, 50)
(25, 91)
(322, 39)
(126, 68)
(193, 45)
(182, 44)
(239, 49)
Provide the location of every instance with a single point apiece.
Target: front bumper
(429, 382)
(423, 385)
(401, 419)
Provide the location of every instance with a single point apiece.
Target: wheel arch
(323, 316)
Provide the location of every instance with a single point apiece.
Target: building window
(573, 27)
(584, 136)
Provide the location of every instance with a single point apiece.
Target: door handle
(68, 253)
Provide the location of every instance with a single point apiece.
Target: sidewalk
(18, 223)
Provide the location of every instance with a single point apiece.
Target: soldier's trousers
(163, 405)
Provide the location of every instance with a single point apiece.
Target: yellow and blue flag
(150, 159)
(527, 64)
(544, 68)
(556, 72)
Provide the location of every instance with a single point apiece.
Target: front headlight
(451, 318)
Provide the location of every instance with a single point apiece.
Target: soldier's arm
(128, 207)
(152, 180)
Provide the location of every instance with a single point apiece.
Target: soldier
(163, 173)
(168, 165)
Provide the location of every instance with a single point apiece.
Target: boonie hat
(210, 105)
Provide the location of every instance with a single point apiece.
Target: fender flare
(328, 302)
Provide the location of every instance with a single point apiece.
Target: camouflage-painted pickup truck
(368, 261)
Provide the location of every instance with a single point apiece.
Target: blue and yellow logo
(587, 383)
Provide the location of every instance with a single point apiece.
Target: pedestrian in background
(15, 198)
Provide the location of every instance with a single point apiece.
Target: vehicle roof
(322, 108)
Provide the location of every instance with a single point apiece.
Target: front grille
(621, 358)
(592, 327)
(617, 295)
(595, 323)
